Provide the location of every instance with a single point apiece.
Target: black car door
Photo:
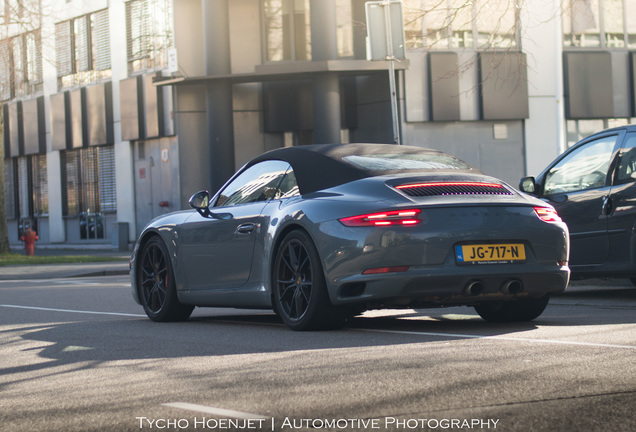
(578, 186)
(621, 206)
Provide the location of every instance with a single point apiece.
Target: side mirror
(200, 201)
(528, 185)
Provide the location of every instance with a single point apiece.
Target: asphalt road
(79, 355)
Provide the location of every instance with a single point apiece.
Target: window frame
(83, 56)
(449, 33)
(617, 139)
(262, 170)
(92, 173)
(619, 179)
(290, 37)
(151, 56)
(570, 38)
(21, 65)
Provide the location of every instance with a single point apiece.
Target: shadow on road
(100, 339)
(219, 332)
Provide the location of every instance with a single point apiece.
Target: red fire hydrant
(29, 237)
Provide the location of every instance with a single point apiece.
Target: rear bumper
(435, 275)
(464, 285)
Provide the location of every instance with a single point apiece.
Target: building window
(581, 26)
(107, 190)
(413, 15)
(444, 24)
(459, 24)
(26, 190)
(5, 70)
(82, 48)
(88, 187)
(344, 28)
(9, 188)
(21, 65)
(496, 24)
(600, 24)
(614, 26)
(579, 129)
(287, 30)
(24, 203)
(88, 180)
(630, 19)
(149, 34)
(40, 186)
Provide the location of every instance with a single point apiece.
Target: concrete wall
(373, 109)
(475, 143)
(432, 92)
(542, 42)
(188, 29)
(190, 118)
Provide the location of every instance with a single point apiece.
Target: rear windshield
(406, 162)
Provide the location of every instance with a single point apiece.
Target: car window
(626, 172)
(407, 161)
(259, 182)
(582, 169)
(288, 187)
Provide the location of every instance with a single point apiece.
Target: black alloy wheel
(300, 292)
(525, 309)
(155, 280)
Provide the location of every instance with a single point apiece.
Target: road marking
(72, 311)
(508, 338)
(403, 332)
(221, 412)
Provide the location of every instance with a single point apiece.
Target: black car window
(260, 182)
(584, 168)
(626, 172)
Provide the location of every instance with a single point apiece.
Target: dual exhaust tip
(510, 287)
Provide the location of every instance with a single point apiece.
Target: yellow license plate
(490, 253)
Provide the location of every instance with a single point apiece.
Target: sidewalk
(54, 271)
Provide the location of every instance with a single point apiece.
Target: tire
(513, 311)
(299, 288)
(155, 279)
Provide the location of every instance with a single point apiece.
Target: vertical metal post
(391, 58)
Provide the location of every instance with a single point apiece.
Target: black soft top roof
(321, 166)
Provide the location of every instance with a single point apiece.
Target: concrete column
(324, 44)
(124, 160)
(326, 89)
(219, 108)
(327, 109)
(542, 42)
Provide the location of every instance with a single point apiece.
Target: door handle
(608, 206)
(245, 228)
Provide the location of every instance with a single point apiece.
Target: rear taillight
(383, 270)
(389, 218)
(547, 214)
(450, 184)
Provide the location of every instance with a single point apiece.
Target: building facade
(115, 112)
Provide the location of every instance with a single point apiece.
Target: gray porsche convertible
(321, 233)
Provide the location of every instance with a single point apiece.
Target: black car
(593, 188)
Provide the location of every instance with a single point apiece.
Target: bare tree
(16, 17)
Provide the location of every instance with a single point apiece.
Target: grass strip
(19, 259)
